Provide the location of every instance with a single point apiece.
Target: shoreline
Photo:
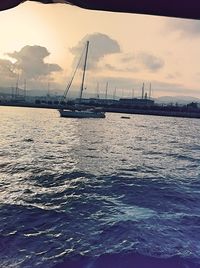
(183, 114)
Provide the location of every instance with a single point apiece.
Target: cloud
(174, 75)
(113, 68)
(150, 62)
(6, 69)
(186, 28)
(30, 62)
(104, 50)
(127, 57)
(139, 60)
(8, 77)
(119, 82)
(132, 63)
(101, 45)
(125, 86)
(122, 86)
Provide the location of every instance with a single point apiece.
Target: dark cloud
(101, 45)
(119, 82)
(128, 84)
(167, 87)
(30, 62)
(150, 62)
(186, 28)
(160, 87)
(122, 86)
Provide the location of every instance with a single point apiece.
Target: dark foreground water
(98, 193)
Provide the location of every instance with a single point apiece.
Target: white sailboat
(78, 111)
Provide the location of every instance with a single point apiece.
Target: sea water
(107, 192)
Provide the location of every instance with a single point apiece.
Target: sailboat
(78, 111)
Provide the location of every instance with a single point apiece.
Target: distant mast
(150, 91)
(143, 91)
(24, 88)
(114, 94)
(84, 69)
(106, 95)
(17, 87)
(97, 90)
(133, 93)
(13, 92)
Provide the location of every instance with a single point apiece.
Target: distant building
(96, 101)
(136, 102)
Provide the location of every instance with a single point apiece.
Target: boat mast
(97, 90)
(143, 91)
(84, 69)
(24, 88)
(150, 91)
(106, 95)
(114, 94)
(17, 87)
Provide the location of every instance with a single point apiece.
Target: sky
(42, 44)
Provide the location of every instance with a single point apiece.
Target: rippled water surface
(98, 192)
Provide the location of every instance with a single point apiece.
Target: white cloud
(100, 46)
(30, 62)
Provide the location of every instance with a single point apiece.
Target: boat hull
(81, 114)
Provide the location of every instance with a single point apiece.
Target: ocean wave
(87, 193)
